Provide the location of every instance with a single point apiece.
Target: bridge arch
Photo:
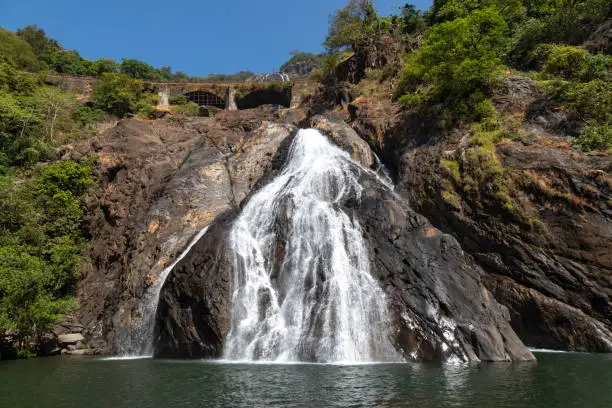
(205, 98)
(261, 97)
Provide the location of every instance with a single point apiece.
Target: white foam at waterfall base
(303, 290)
(139, 341)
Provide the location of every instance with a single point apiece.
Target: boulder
(70, 339)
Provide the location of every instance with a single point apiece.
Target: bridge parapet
(228, 92)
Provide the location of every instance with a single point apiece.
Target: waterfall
(303, 290)
(139, 339)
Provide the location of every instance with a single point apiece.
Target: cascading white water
(302, 284)
(139, 340)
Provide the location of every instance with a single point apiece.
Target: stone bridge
(229, 96)
(234, 96)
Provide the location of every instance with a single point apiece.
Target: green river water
(555, 380)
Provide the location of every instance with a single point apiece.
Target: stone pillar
(164, 95)
(230, 99)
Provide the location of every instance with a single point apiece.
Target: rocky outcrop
(161, 183)
(545, 249)
(548, 263)
(193, 316)
(440, 307)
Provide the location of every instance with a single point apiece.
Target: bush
(41, 245)
(457, 65)
(188, 109)
(595, 137)
(101, 66)
(178, 100)
(69, 62)
(119, 94)
(597, 67)
(16, 52)
(566, 61)
(590, 101)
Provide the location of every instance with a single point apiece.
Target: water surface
(556, 380)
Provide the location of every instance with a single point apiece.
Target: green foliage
(33, 120)
(140, 70)
(566, 61)
(69, 62)
(188, 109)
(119, 94)
(575, 63)
(590, 101)
(178, 100)
(42, 45)
(66, 176)
(565, 21)
(17, 82)
(237, 77)
(86, 115)
(595, 137)
(101, 66)
(41, 245)
(413, 19)
(17, 52)
(350, 25)
(330, 63)
(457, 65)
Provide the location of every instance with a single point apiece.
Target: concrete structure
(229, 96)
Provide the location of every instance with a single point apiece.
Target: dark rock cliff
(546, 249)
(440, 307)
(548, 262)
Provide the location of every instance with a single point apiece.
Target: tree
(56, 109)
(139, 69)
(459, 62)
(412, 18)
(69, 62)
(103, 65)
(17, 52)
(118, 93)
(348, 25)
(42, 45)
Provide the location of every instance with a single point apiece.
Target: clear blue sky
(198, 37)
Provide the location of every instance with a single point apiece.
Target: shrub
(598, 66)
(41, 245)
(16, 52)
(566, 61)
(457, 65)
(119, 94)
(595, 137)
(101, 66)
(178, 100)
(188, 109)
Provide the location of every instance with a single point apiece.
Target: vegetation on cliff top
(456, 54)
(455, 59)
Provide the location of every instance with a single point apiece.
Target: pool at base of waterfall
(555, 380)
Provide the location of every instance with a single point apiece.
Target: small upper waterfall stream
(303, 290)
(139, 340)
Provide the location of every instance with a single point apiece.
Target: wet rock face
(439, 306)
(160, 185)
(193, 316)
(442, 309)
